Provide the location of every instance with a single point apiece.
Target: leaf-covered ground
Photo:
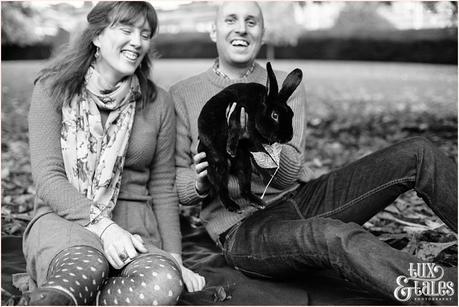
(355, 108)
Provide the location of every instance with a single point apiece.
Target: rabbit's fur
(269, 121)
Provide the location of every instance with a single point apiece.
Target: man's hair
(221, 4)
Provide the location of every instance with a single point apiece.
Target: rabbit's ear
(290, 84)
(271, 82)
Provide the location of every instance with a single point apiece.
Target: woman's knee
(79, 271)
(85, 254)
(148, 280)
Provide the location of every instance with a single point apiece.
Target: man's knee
(421, 142)
(337, 234)
(418, 148)
(417, 144)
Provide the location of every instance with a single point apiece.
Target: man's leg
(361, 189)
(273, 247)
(296, 235)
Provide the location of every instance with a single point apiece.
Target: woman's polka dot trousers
(148, 280)
(82, 273)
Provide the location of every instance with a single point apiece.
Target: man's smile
(240, 43)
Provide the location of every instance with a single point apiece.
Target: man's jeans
(318, 225)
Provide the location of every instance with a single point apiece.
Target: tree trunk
(270, 52)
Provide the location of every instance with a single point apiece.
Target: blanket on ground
(225, 285)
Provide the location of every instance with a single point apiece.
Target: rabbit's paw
(255, 201)
(231, 146)
(231, 152)
(258, 203)
(231, 206)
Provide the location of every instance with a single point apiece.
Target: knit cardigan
(189, 97)
(148, 174)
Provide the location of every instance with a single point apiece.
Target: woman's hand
(120, 247)
(202, 183)
(193, 281)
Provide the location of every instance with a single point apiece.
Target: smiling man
(238, 33)
(308, 223)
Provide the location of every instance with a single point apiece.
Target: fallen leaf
(21, 281)
(427, 251)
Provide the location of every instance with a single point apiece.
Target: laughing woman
(106, 228)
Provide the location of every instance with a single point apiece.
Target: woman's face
(122, 48)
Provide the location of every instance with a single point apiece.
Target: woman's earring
(97, 54)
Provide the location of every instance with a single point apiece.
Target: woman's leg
(46, 240)
(150, 279)
(47, 236)
(75, 276)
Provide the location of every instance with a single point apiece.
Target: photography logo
(424, 283)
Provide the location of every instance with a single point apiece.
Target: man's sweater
(148, 172)
(190, 96)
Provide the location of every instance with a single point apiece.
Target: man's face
(238, 33)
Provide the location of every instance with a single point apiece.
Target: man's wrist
(201, 194)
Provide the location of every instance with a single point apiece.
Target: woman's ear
(96, 41)
(213, 33)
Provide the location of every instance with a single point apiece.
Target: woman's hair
(68, 70)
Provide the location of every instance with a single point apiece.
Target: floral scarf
(94, 155)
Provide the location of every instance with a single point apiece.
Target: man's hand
(202, 183)
(243, 119)
(120, 247)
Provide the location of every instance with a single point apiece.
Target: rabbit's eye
(275, 116)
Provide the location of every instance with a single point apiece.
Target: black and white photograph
(247, 153)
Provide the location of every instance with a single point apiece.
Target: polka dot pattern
(78, 271)
(150, 279)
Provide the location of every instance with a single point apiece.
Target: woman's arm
(165, 201)
(161, 184)
(48, 171)
(185, 165)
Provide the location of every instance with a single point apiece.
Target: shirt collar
(221, 74)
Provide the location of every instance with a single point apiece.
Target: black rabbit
(269, 121)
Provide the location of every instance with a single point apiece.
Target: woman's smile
(122, 49)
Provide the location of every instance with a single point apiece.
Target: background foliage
(354, 108)
(359, 33)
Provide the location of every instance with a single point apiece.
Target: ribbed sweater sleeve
(48, 170)
(162, 178)
(185, 174)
